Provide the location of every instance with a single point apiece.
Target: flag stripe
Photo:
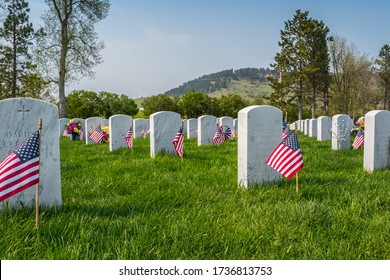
(178, 142)
(286, 157)
(17, 174)
(20, 169)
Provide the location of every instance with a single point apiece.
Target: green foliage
(16, 35)
(123, 205)
(112, 104)
(69, 48)
(383, 71)
(303, 61)
(161, 102)
(85, 104)
(194, 104)
(230, 104)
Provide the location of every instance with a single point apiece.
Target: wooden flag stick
(296, 175)
(37, 187)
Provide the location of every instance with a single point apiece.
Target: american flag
(287, 158)
(178, 142)
(97, 135)
(222, 134)
(359, 139)
(129, 138)
(143, 133)
(20, 169)
(218, 137)
(285, 133)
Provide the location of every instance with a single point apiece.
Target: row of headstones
(339, 128)
(140, 126)
(260, 132)
(258, 138)
(161, 136)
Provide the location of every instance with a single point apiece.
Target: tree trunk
(300, 105)
(62, 69)
(313, 101)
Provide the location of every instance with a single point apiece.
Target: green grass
(125, 205)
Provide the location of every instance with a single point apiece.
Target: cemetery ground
(124, 205)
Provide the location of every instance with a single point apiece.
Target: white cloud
(158, 36)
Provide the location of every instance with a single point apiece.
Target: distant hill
(249, 82)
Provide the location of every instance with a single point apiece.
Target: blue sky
(153, 46)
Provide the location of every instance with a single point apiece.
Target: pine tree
(17, 34)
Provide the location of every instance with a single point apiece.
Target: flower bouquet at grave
(359, 125)
(106, 133)
(74, 129)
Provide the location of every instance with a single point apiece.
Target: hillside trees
(70, 48)
(383, 61)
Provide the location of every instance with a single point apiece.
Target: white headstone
(140, 126)
(226, 121)
(104, 122)
(185, 126)
(192, 127)
(257, 140)
(324, 125)
(163, 128)
(62, 125)
(207, 126)
(119, 126)
(377, 140)
(313, 128)
(298, 125)
(341, 132)
(306, 127)
(90, 125)
(235, 125)
(19, 120)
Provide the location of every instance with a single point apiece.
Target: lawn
(124, 205)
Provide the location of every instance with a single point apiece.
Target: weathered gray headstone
(185, 126)
(256, 141)
(104, 122)
(313, 128)
(207, 126)
(192, 127)
(226, 121)
(19, 120)
(163, 128)
(306, 127)
(62, 125)
(298, 125)
(324, 125)
(377, 140)
(90, 125)
(341, 132)
(119, 126)
(141, 126)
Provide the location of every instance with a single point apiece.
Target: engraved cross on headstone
(23, 110)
